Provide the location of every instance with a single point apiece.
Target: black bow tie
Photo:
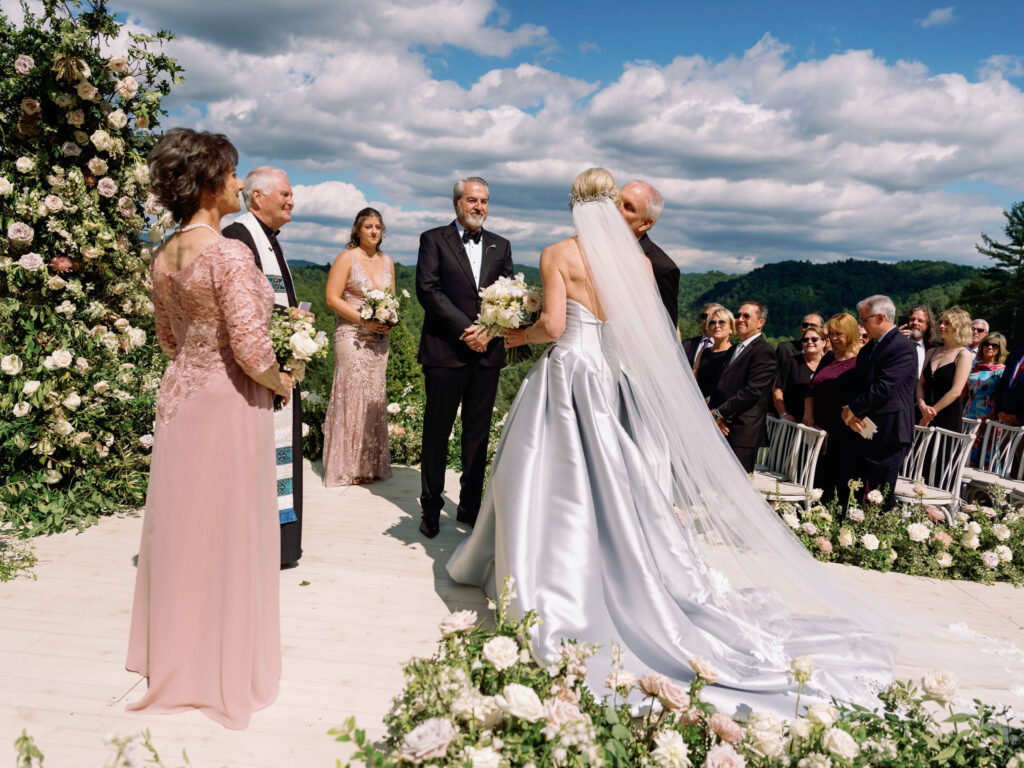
(475, 235)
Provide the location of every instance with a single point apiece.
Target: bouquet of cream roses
(508, 303)
(296, 341)
(380, 305)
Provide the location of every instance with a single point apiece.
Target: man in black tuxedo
(884, 381)
(740, 402)
(461, 363)
(788, 349)
(695, 344)
(1009, 394)
(642, 207)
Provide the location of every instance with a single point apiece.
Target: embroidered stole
(284, 450)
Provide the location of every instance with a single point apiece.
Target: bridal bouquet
(296, 341)
(380, 305)
(509, 303)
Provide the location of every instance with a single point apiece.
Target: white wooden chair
(1000, 455)
(913, 463)
(942, 469)
(786, 471)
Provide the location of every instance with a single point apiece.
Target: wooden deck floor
(377, 590)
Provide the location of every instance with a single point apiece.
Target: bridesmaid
(356, 446)
(205, 626)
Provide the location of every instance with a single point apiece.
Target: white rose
(76, 117)
(801, 668)
(100, 139)
(875, 497)
(801, 729)
(118, 65)
(63, 427)
(65, 308)
(815, 760)
(117, 119)
(1002, 532)
(97, 166)
(940, 686)
(25, 164)
(825, 714)
(24, 64)
(11, 365)
(870, 541)
(100, 387)
(459, 621)
(146, 441)
(56, 282)
(428, 740)
(501, 651)
(1004, 552)
(944, 559)
(30, 387)
(60, 358)
(522, 702)
(918, 532)
(703, 669)
(141, 174)
(970, 541)
(990, 559)
(974, 527)
(764, 731)
(127, 87)
(20, 232)
(136, 337)
(394, 408)
(21, 409)
(855, 514)
(86, 90)
(841, 744)
(5, 186)
(106, 187)
(483, 757)
(845, 537)
(72, 401)
(302, 346)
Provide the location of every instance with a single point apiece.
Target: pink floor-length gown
(205, 623)
(356, 426)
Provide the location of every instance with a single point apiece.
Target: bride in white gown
(623, 515)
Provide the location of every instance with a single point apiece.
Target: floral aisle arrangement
(296, 341)
(79, 366)
(405, 432)
(482, 701)
(984, 543)
(509, 303)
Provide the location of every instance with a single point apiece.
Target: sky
(816, 131)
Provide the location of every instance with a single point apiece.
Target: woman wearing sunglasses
(981, 384)
(795, 375)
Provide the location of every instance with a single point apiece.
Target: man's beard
(475, 219)
(916, 334)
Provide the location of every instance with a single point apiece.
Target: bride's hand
(515, 337)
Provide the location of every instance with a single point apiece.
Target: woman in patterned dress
(982, 383)
(356, 427)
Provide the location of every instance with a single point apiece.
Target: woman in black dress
(943, 382)
(709, 363)
(795, 375)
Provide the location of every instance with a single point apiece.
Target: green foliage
(15, 557)
(79, 356)
(995, 293)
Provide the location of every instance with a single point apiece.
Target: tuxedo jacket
(884, 382)
(690, 347)
(744, 394)
(788, 349)
(451, 299)
(666, 275)
(1009, 394)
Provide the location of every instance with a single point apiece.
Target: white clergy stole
(268, 258)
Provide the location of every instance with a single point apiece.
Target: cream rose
(97, 167)
(764, 731)
(825, 714)
(1005, 553)
(875, 497)
(30, 106)
(25, 164)
(136, 337)
(459, 621)
(845, 537)
(86, 91)
(939, 686)
(918, 532)
(5, 186)
(100, 387)
(483, 757)
(24, 64)
(1001, 532)
(76, 117)
(870, 541)
(117, 119)
(101, 140)
(522, 702)
(944, 559)
(21, 409)
(801, 729)
(19, 232)
(703, 669)
(393, 408)
(302, 346)
(801, 668)
(127, 87)
(31, 262)
(72, 401)
(791, 520)
(11, 365)
(30, 387)
(501, 651)
(841, 744)
(428, 740)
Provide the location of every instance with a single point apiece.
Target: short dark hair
(185, 163)
(363, 215)
(762, 310)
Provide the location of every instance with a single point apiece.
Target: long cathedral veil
(776, 591)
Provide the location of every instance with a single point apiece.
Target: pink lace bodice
(360, 283)
(212, 317)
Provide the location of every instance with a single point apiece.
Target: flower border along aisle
(79, 360)
(482, 701)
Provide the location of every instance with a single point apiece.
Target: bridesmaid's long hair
(363, 215)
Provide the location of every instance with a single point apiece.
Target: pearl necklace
(190, 227)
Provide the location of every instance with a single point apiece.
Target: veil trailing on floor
(777, 595)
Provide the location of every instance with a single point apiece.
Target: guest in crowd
(642, 207)
(356, 446)
(1009, 404)
(695, 344)
(920, 329)
(827, 393)
(268, 197)
(720, 326)
(863, 335)
(740, 402)
(788, 349)
(981, 384)
(883, 390)
(979, 329)
(205, 626)
(941, 387)
(795, 373)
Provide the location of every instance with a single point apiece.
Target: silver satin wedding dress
(624, 517)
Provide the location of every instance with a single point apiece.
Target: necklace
(190, 227)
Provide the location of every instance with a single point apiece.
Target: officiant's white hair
(655, 203)
(264, 178)
(457, 191)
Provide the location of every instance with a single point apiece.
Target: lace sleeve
(245, 299)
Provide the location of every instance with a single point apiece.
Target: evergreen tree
(996, 294)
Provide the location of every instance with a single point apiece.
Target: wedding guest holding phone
(205, 626)
(356, 446)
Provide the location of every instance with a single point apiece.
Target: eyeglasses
(865, 318)
(718, 322)
(978, 330)
(810, 341)
(804, 326)
(745, 315)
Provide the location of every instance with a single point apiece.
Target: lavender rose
(428, 740)
(24, 64)
(106, 186)
(19, 232)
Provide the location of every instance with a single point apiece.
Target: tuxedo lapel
(491, 260)
(451, 237)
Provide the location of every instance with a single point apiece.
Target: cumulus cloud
(937, 17)
(1002, 65)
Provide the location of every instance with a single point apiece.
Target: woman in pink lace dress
(356, 427)
(205, 622)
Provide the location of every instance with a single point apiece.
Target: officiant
(268, 197)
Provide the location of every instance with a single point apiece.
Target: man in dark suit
(461, 363)
(740, 402)
(1009, 394)
(788, 349)
(695, 344)
(884, 381)
(641, 207)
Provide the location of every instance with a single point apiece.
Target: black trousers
(878, 465)
(474, 387)
(746, 456)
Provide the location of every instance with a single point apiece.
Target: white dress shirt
(742, 346)
(919, 348)
(475, 252)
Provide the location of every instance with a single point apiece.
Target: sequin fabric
(356, 427)
(212, 318)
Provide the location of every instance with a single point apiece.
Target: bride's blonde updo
(594, 184)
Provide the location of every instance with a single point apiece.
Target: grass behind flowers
(482, 701)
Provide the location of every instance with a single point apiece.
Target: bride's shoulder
(561, 250)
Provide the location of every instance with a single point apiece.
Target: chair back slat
(948, 457)
(914, 463)
(999, 449)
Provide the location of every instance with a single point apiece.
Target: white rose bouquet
(509, 303)
(296, 341)
(381, 306)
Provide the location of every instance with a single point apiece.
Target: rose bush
(75, 310)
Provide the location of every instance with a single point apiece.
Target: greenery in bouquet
(983, 543)
(482, 700)
(80, 367)
(508, 303)
(296, 341)
(382, 305)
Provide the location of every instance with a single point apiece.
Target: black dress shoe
(467, 516)
(430, 525)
